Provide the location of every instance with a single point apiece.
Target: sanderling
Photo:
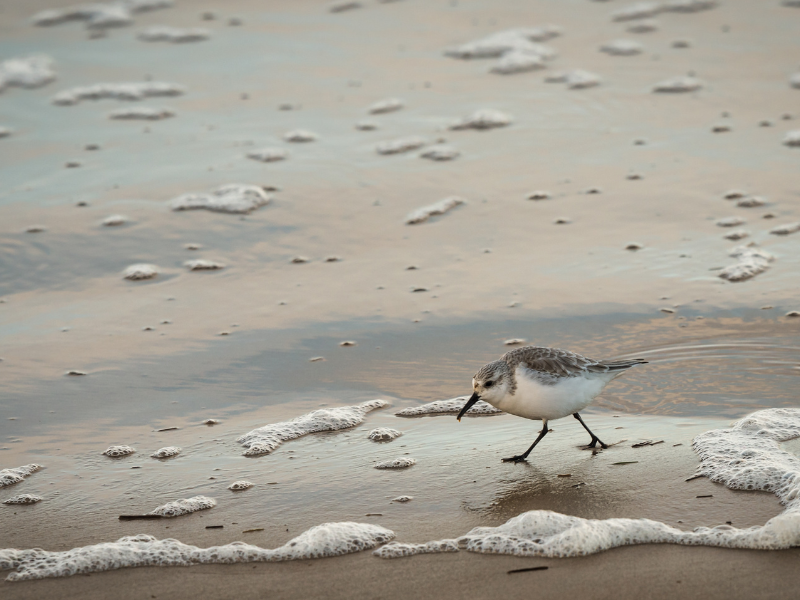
(544, 383)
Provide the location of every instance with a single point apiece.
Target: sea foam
(746, 456)
(424, 213)
(329, 539)
(230, 198)
(26, 72)
(265, 440)
(449, 407)
(117, 91)
(185, 506)
(12, 476)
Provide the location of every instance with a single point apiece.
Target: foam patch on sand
(239, 198)
(12, 476)
(786, 229)
(746, 456)
(201, 264)
(386, 105)
(322, 541)
(26, 72)
(622, 48)
(403, 144)
(166, 452)
(238, 486)
(185, 506)
(640, 10)
(119, 451)
(141, 113)
(510, 40)
(175, 35)
(752, 261)
(265, 440)
(268, 154)
(98, 15)
(5, 131)
(440, 152)
(792, 138)
(450, 407)
(397, 463)
(117, 91)
(23, 499)
(485, 118)
(140, 271)
(383, 434)
(424, 213)
(678, 85)
(518, 61)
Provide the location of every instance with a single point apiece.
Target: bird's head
(490, 384)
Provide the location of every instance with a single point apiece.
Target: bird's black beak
(472, 400)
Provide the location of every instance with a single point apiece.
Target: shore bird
(544, 383)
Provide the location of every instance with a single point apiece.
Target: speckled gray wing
(563, 363)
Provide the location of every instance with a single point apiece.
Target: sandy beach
(417, 189)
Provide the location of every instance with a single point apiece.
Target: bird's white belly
(535, 400)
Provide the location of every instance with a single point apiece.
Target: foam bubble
(140, 271)
(486, 118)
(794, 80)
(640, 10)
(23, 499)
(440, 152)
(114, 220)
(300, 136)
(5, 131)
(12, 476)
(792, 138)
(175, 35)
(27, 72)
(785, 229)
(622, 48)
(265, 440)
(403, 499)
(383, 434)
(510, 40)
(580, 79)
(448, 407)
(397, 463)
(238, 198)
(166, 452)
(185, 506)
(141, 113)
(424, 213)
(200, 264)
(117, 91)
(745, 456)
(386, 105)
(119, 451)
(752, 261)
(518, 61)
(677, 85)
(322, 541)
(238, 486)
(268, 154)
(403, 144)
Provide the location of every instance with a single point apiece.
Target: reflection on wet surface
(696, 380)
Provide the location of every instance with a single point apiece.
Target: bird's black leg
(595, 439)
(522, 457)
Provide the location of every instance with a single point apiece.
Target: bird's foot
(516, 459)
(595, 441)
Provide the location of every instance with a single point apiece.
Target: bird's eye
(488, 384)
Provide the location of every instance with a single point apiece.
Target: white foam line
(329, 539)
(266, 439)
(744, 457)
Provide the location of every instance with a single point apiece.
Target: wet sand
(425, 303)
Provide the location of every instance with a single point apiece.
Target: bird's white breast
(533, 399)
